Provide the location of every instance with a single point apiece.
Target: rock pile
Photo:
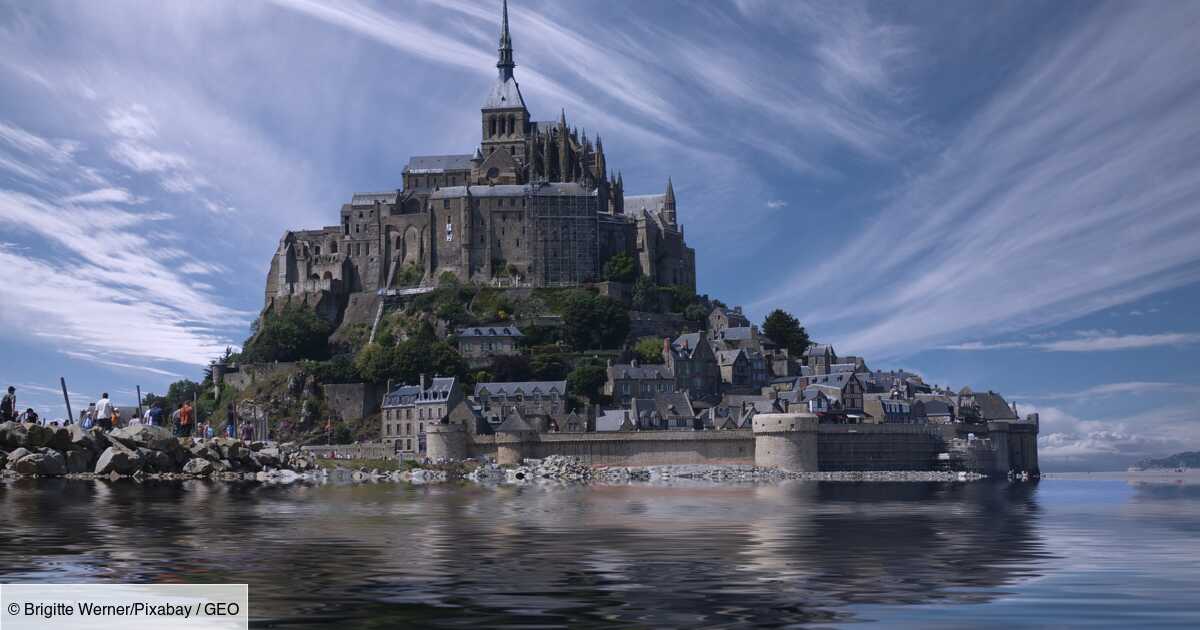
(139, 450)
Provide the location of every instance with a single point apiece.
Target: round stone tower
(787, 441)
(446, 442)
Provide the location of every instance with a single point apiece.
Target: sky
(999, 195)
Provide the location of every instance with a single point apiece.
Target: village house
(820, 357)
(632, 380)
(484, 342)
(721, 318)
(664, 411)
(887, 409)
(692, 361)
(735, 371)
(408, 409)
(530, 398)
(843, 387)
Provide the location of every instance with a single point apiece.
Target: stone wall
(246, 374)
(645, 448)
(352, 451)
(352, 400)
(842, 447)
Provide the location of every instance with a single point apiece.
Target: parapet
(765, 423)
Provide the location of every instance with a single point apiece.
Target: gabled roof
(836, 379)
(818, 349)
(524, 388)
(515, 423)
(687, 344)
(420, 164)
(611, 419)
(736, 333)
(640, 372)
(491, 331)
(992, 406)
(728, 357)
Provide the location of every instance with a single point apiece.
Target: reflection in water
(526, 556)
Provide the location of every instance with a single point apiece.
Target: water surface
(1056, 553)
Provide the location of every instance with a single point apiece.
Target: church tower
(505, 119)
(669, 205)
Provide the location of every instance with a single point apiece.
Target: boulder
(92, 439)
(267, 458)
(202, 451)
(46, 462)
(60, 438)
(37, 436)
(145, 436)
(197, 466)
(13, 435)
(16, 455)
(80, 461)
(119, 460)
(221, 465)
(156, 461)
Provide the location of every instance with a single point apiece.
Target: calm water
(1056, 553)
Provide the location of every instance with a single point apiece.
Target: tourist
(8, 406)
(247, 432)
(231, 422)
(104, 412)
(185, 419)
(87, 418)
(154, 415)
(116, 418)
(209, 432)
(29, 416)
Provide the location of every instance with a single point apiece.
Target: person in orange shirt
(185, 419)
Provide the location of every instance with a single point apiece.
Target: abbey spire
(506, 63)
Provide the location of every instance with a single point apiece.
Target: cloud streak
(1088, 150)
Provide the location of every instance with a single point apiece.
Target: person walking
(247, 432)
(186, 417)
(104, 412)
(8, 406)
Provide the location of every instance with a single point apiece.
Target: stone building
(632, 380)
(692, 361)
(534, 204)
(721, 318)
(483, 342)
(409, 409)
(496, 400)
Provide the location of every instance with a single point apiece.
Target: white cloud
(1106, 390)
(104, 195)
(775, 204)
(979, 345)
(1108, 343)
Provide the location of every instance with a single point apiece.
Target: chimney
(424, 381)
(666, 347)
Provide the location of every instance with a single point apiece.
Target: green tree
(649, 350)
(592, 321)
(510, 368)
(292, 334)
(620, 267)
(406, 362)
(695, 314)
(182, 390)
(785, 330)
(586, 381)
(645, 295)
(548, 367)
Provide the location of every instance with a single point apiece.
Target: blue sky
(1000, 195)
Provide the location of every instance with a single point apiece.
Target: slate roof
(668, 406)
(369, 199)
(836, 379)
(687, 344)
(505, 94)
(490, 331)
(640, 372)
(992, 406)
(438, 391)
(515, 423)
(611, 420)
(736, 333)
(523, 388)
(937, 408)
(727, 357)
(831, 391)
(438, 163)
(818, 349)
(640, 204)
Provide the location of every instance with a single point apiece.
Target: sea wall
(351, 401)
(861, 447)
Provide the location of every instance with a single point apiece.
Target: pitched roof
(641, 204)
(728, 357)
(490, 331)
(611, 419)
(438, 163)
(992, 406)
(687, 344)
(515, 423)
(836, 379)
(523, 388)
(736, 333)
(369, 199)
(439, 390)
(639, 372)
(818, 349)
(505, 94)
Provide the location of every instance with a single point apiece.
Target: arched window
(316, 250)
(333, 248)
(491, 127)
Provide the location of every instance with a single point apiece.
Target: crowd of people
(184, 421)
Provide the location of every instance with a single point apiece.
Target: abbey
(535, 204)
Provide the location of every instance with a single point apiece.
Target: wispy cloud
(1087, 341)
(1133, 388)
(1087, 150)
(775, 204)
(104, 195)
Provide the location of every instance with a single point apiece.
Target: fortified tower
(446, 442)
(787, 441)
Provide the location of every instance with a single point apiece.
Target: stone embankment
(142, 451)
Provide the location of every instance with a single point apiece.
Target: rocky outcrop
(27, 449)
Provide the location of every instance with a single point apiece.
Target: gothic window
(491, 127)
(333, 249)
